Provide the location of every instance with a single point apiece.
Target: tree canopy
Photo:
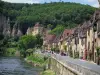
(27, 41)
(54, 13)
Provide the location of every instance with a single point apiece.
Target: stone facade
(82, 40)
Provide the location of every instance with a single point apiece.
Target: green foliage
(39, 41)
(76, 55)
(49, 26)
(27, 41)
(1, 6)
(36, 58)
(52, 49)
(98, 51)
(3, 44)
(10, 51)
(66, 14)
(58, 30)
(65, 47)
(30, 51)
(70, 53)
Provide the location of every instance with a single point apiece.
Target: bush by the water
(11, 51)
(37, 58)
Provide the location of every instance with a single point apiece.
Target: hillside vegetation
(67, 14)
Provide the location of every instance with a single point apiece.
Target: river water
(17, 66)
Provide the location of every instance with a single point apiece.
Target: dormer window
(88, 32)
(67, 34)
(95, 27)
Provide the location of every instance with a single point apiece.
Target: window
(95, 27)
(82, 42)
(95, 40)
(67, 34)
(88, 45)
(88, 32)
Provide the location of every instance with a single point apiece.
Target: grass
(37, 59)
(11, 51)
(48, 72)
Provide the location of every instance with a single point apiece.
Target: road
(79, 62)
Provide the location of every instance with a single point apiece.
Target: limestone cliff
(16, 31)
(5, 27)
(3, 23)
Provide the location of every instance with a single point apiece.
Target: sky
(93, 3)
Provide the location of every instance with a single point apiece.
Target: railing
(79, 69)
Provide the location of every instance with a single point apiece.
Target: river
(17, 66)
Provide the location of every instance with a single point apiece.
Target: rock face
(3, 22)
(6, 30)
(16, 32)
(29, 31)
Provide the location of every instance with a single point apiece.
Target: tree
(49, 26)
(65, 47)
(1, 6)
(30, 51)
(3, 44)
(26, 42)
(66, 14)
(39, 41)
(98, 55)
(59, 29)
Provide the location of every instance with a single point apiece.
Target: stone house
(82, 41)
(37, 29)
(63, 40)
(48, 41)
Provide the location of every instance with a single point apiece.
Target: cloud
(92, 0)
(93, 3)
(23, 1)
(96, 5)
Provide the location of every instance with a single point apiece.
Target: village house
(48, 41)
(37, 29)
(56, 42)
(63, 40)
(96, 38)
(80, 42)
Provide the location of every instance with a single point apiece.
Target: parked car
(63, 54)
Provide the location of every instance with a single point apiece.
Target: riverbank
(48, 72)
(37, 60)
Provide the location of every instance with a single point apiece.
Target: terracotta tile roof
(57, 39)
(66, 33)
(50, 38)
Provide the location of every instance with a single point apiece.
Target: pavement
(83, 63)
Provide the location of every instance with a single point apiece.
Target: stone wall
(62, 67)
